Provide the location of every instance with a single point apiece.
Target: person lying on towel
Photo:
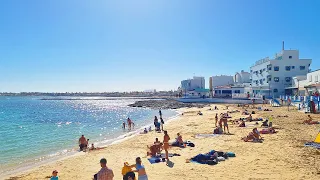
(253, 136)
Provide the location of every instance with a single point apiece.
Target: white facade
(222, 80)
(270, 77)
(192, 84)
(242, 77)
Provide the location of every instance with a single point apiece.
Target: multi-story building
(242, 77)
(270, 77)
(221, 80)
(305, 85)
(192, 84)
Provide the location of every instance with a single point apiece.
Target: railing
(245, 95)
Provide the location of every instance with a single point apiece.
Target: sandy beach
(280, 156)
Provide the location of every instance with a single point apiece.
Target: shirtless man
(166, 140)
(82, 142)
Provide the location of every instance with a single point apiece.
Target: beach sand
(280, 156)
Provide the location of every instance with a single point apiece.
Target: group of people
(223, 122)
(106, 173)
(130, 124)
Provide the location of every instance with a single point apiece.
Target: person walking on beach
(160, 113)
(123, 125)
(82, 142)
(162, 123)
(155, 122)
(105, 173)
(166, 140)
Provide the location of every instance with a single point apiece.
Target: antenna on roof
(282, 45)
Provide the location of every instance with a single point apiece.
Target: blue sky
(99, 45)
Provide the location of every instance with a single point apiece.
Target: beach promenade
(280, 156)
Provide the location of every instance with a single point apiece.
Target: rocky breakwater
(164, 104)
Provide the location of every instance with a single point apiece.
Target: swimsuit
(143, 177)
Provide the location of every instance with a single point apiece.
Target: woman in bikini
(166, 139)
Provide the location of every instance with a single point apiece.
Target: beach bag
(230, 154)
(191, 145)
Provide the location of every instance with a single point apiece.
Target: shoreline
(280, 156)
(24, 168)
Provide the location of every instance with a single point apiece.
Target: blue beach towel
(312, 144)
(153, 160)
(231, 154)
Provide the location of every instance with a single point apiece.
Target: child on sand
(54, 175)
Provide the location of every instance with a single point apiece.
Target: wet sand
(280, 156)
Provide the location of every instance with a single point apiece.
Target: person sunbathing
(200, 113)
(153, 150)
(265, 123)
(310, 121)
(269, 130)
(158, 145)
(242, 124)
(253, 136)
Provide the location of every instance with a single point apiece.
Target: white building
(192, 84)
(270, 77)
(305, 85)
(221, 80)
(231, 91)
(242, 77)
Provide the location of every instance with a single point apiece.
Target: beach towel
(153, 160)
(206, 135)
(312, 144)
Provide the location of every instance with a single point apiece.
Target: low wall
(219, 100)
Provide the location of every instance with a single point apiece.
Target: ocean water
(34, 130)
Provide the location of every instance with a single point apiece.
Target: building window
(226, 91)
(269, 78)
(288, 68)
(276, 68)
(288, 79)
(292, 67)
(261, 81)
(275, 90)
(264, 79)
(257, 82)
(237, 91)
(260, 71)
(302, 68)
(310, 78)
(269, 67)
(276, 79)
(264, 69)
(316, 78)
(290, 57)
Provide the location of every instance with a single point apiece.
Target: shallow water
(33, 130)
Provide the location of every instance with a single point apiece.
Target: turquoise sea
(33, 130)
